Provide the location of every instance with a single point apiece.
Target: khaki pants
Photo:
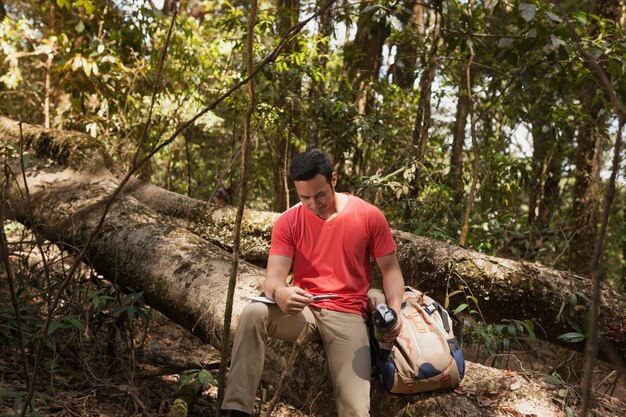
(345, 340)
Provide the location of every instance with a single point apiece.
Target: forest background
(482, 123)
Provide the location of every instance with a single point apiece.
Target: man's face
(318, 195)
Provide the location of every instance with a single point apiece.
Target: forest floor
(79, 385)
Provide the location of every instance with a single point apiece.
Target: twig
(4, 253)
(591, 346)
(221, 381)
(476, 162)
(53, 306)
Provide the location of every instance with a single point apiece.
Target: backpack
(427, 355)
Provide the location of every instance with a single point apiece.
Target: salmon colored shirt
(333, 257)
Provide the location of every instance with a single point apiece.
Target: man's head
(310, 163)
(313, 176)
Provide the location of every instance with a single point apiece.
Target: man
(330, 238)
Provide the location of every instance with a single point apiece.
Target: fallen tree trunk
(504, 288)
(185, 276)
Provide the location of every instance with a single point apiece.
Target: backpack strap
(435, 306)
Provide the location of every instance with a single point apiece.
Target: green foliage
(489, 337)
(204, 377)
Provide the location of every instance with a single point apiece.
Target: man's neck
(339, 204)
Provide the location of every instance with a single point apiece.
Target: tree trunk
(405, 63)
(363, 56)
(423, 113)
(507, 289)
(317, 92)
(589, 157)
(455, 176)
(289, 84)
(544, 188)
(185, 277)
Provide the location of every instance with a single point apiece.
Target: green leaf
(460, 308)
(512, 330)
(527, 11)
(551, 379)
(206, 378)
(396, 23)
(80, 27)
(89, 7)
(53, 326)
(530, 329)
(7, 393)
(571, 337)
(506, 343)
(555, 18)
(370, 8)
(505, 42)
(76, 323)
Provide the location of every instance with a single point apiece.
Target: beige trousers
(345, 340)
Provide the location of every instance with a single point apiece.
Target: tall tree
(289, 86)
(317, 92)
(422, 123)
(363, 56)
(404, 68)
(455, 174)
(589, 156)
(544, 191)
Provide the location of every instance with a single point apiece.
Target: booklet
(264, 299)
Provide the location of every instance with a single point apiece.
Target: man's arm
(291, 300)
(393, 286)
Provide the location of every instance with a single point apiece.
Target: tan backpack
(427, 355)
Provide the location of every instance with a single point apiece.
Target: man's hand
(392, 334)
(292, 300)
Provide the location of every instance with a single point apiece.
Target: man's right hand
(291, 300)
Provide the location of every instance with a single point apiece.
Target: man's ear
(333, 180)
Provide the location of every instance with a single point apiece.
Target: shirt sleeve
(282, 243)
(381, 240)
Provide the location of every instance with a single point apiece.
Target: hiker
(330, 238)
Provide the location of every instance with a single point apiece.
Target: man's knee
(254, 317)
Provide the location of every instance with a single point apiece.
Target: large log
(185, 276)
(505, 288)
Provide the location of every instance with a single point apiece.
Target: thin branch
(52, 307)
(137, 164)
(597, 275)
(240, 207)
(4, 253)
(476, 162)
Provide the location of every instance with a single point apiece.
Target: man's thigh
(288, 327)
(347, 346)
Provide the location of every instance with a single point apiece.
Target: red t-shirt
(334, 256)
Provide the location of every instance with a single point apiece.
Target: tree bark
(404, 68)
(289, 84)
(455, 175)
(544, 189)
(363, 56)
(589, 155)
(419, 136)
(185, 276)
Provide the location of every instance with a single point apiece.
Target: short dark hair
(308, 164)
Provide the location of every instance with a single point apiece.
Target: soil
(81, 389)
(114, 387)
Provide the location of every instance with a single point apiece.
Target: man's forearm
(393, 286)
